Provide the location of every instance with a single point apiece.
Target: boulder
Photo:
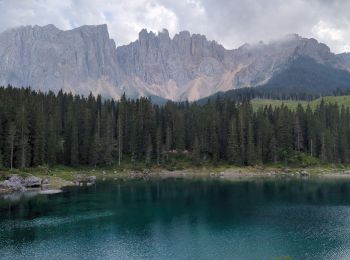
(13, 185)
(304, 173)
(15, 179)
(32, 182)
(146, 172)
(91, 179)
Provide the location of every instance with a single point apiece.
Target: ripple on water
(7, 225)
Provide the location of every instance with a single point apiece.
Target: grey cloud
(229, 22)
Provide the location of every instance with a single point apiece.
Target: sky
(229, 22)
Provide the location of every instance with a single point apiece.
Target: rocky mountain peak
(186, 66)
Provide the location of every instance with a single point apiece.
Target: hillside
(293, 104)
(306, 75)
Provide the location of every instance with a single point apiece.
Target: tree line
(63, 129)
(269, 92)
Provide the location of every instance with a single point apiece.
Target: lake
(181, 219)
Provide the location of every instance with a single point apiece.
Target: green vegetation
(38, 129)
(293, 104)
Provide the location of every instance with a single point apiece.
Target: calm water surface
(181, 219)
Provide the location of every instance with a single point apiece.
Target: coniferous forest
(63, 129)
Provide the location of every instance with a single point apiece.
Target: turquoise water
(181, 219)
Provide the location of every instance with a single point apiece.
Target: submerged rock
(50, 191)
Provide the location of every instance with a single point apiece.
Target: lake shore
(58, 178)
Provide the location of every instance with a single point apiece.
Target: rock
(185, 67)
(146, 172)
(50, 191)
(17, 183)
(15, 179)
(304, 173)
(13, 185)
(32, 182)
(91, 179)
(54, 54)
(90, 184)
(45, 182)
(222, 174)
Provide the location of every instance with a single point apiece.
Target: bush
(304, 160)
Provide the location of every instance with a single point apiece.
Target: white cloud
(324, 31)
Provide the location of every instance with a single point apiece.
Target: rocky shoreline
(16, 183)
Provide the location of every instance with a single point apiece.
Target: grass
(293, 104)
(63, 175)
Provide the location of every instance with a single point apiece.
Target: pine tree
(23, 151)
(233, 149)
(51, 142)
(273, 153)
(120, 127)
(74, 145)
(298, 135)
(38, 128)
(159, 145)
(196, 153)
(39, 138)
(149, 149)
(10, 140)
(250, 145)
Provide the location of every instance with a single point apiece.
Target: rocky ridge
(184, 67)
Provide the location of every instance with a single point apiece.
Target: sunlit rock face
(184, 67)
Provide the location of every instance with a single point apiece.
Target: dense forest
(50, 129)
(272, 92)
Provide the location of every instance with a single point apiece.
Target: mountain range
(184, 67)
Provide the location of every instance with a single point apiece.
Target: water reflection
(182, 219)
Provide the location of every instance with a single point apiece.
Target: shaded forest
(63, 129)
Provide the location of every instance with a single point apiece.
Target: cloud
(230, 22)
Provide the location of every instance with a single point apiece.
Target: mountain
(79, 60)
(184, 67)
(304, 74)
